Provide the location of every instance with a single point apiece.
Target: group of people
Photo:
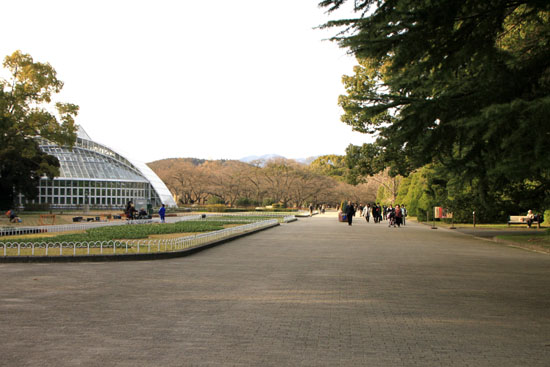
(320, 209)
(394, 215)
(14, 218)
(132, 213)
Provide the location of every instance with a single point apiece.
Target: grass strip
(130, 232)
(535, 240)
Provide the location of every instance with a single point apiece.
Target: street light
(452, 221)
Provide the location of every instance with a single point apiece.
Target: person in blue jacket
(162, 213)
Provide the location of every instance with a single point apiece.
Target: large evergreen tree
(331, 165)
(25, 113)
(460, 84)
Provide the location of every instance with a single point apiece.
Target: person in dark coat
(350, 212)
(162, 213)
(376, 213)
(398, 215)
(130, 210)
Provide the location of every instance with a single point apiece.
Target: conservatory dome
(91, 173)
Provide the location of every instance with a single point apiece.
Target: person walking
(398, 215)
(378, 213)
(350, 212)
(403, 213)
(366, 212)
(162, 214)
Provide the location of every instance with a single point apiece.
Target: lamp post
(452, 221)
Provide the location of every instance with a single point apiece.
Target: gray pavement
(310, 293)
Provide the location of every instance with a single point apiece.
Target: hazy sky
(206, 79)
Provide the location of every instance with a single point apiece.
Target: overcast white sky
(206, 79)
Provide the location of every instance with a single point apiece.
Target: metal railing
(238, 217)
(252, 214)
(128, 246)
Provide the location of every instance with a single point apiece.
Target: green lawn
(538, 241)
(478, 225)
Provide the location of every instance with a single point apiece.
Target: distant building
(94, 174)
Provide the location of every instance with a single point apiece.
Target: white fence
(284, 218)
(251, 214)
(133, 246)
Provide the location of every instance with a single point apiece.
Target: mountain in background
(168, 163)
(267, 157)
(264, 157)
(168, 166)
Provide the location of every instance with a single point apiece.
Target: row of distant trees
(277, 181)
(327, 180)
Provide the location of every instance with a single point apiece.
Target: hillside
(175, 163)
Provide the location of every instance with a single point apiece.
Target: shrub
(213, 200)
(235, 210)
(215, 208)
(343, 206)
(30, 207)
(244, 202)
(267, 202)
(281, 210)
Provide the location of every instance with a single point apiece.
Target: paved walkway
(311, 293)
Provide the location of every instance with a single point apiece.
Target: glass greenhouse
(94, 174)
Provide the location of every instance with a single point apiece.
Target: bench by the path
(521, 219)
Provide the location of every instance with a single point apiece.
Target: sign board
(442, 213)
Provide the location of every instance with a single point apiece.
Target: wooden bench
(520, 219)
